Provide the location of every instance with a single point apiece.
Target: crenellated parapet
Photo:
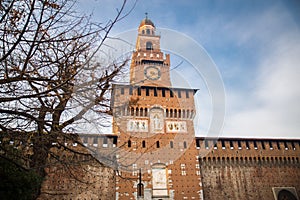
(248, 151)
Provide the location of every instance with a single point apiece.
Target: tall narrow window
(155, 92)
(270, 145)
(263, 145)
(184, 145)
(144, 144)
(171, 144)
(163, 93)
(157, 144)
(105, 142)
(239, 145)
(95, 140)
(187, 94)
(255, 145)
(139, 91)
(179, 94)
(141, 112)
(278, 145)
(247, 145)
(206, 144)
(171, 93)
(231, 145)
(223, 144)
(129, 143)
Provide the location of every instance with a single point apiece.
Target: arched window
(144, 144)
(149, 46)
(132, 111)
(148, 31)
(141, 111)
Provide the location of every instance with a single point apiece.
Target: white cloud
(272, 107)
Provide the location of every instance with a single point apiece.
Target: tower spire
(146, 13)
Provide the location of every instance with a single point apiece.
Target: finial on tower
(146, 21)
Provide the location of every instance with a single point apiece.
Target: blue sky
(254, 44)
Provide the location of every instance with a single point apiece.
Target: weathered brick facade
(249, 168)
(86, 172)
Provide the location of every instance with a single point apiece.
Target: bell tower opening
(149, 45)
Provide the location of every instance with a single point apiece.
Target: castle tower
(157, 155)
(149, 66)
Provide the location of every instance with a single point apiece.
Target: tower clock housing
(149, 65)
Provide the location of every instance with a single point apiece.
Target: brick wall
(79, 176)
(248, 168)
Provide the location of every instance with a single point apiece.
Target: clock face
(152, 73)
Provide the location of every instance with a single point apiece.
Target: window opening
(139, 91)
(231, 145)
(157, 144)
(155, 92)
(149, 46)
(171, 144)
(263, 145)
(239, 145)
(223, 144)
(255, 145)
(278, 145)
(247, 145)
(184, 145)
(171, 93)
(129, 143)
(270, 145)
(179, 94)
(187, 94)
(163, 92)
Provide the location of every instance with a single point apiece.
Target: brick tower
(157, 155)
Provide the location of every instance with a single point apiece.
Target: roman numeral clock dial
(152, 73)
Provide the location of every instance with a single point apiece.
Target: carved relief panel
(176, 127)
(137, 125)
(156, 120)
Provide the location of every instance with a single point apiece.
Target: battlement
(229, 150)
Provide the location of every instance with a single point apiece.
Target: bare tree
(50, 80)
